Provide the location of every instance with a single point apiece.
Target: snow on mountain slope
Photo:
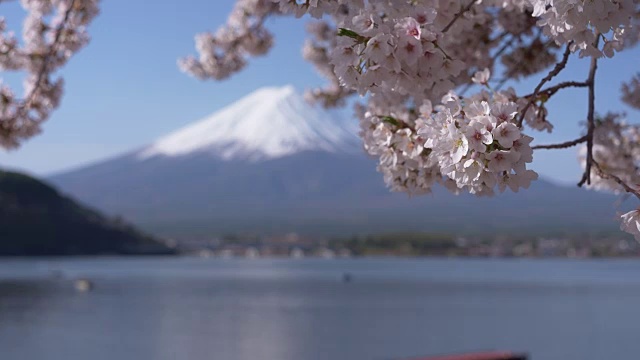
(268, 123)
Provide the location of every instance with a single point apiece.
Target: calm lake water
(188, 308)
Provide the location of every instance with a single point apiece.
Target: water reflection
(194, 309)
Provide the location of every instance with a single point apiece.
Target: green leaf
(391, 120)
(352, 34)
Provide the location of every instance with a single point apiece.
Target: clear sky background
(124, 89)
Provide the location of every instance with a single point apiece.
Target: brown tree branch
(591, 124)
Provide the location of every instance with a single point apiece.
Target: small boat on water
(495, 355)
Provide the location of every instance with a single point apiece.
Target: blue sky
(124, 90)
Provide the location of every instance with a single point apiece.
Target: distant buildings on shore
(296, 246)
(290, 245)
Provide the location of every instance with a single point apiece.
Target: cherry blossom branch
(46, 47)
(564, 145)
(42, 73)
(225, 52)
(555, 71)
(591, 124)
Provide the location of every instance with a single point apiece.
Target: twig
(458, 15)
(555, 71)
(563, 145)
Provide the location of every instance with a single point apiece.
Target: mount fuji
(269, 123)
(271, 163)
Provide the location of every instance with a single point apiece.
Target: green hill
(36, 220)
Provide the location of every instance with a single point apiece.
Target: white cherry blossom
(506, 133)
(631, 223)
(481, 77)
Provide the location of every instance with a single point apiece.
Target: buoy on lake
(83, 285)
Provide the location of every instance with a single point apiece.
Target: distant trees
(36, 220)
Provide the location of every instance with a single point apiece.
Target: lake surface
(191, 308)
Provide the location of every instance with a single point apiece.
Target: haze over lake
(190, 308)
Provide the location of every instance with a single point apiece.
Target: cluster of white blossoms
(470, 144)
(404, 161)
(583, 22)
(53, 31)
(317, 50)
(224, 52)
(375, 46)
(479, 145)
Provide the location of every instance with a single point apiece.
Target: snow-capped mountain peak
(268, 123)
